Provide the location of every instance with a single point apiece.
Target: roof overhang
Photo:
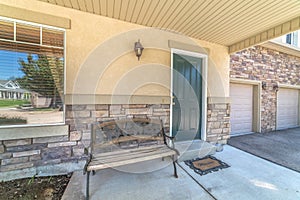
(285, 48)
(237, 24)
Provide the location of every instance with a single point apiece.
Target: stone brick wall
(263, 64)
(80, 117)
(62, 154)
(40, 156)
(218, 122)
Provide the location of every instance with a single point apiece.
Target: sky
(9, 66)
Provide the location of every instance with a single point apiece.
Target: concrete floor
(148, 183)
(193, 149)
(281, 147)
(249, 177)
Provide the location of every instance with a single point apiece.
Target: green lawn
(12, 103)
(12, 120)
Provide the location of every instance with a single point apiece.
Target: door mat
(206, 165)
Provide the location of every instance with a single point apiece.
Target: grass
(12, 102)
(43, 109)
(4, 120)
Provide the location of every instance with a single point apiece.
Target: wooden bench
(127, 141)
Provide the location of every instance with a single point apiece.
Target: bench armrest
(171, 140)
(170, 137)
(171, 144)
(89, 158)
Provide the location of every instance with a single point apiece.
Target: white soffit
(237, 24)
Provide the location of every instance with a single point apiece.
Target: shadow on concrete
(280, 147)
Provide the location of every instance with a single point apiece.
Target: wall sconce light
(276, 87)
(264, 85)
(138, 48)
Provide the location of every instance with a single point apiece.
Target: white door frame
(204, 57)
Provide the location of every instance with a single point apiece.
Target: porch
(102, 76)
(154, 180)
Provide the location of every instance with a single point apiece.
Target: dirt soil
(41, 188)
(34, 117)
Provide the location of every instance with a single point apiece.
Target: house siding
(271, 66)
(99, 56)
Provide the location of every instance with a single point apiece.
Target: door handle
(173, 103)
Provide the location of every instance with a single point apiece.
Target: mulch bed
(41, 188)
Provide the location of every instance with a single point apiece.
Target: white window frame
(293, 38)
(64, 86)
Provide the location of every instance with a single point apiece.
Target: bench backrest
(126, 133)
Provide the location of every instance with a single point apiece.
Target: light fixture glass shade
(138, 48)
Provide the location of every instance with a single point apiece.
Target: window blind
(31, 68)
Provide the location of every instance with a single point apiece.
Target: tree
(44, 76)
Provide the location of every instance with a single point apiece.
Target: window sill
(14, 133)
(278, 46)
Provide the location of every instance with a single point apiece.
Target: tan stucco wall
(126, 75)
(100, 52)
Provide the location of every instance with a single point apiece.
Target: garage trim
(297, 87)
(256, 126)
(286, 86)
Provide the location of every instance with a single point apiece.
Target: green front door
(187, 93)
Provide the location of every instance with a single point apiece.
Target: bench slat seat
(125, 151)
(141, 155)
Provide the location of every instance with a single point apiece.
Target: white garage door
(287, 108)
(241, 115)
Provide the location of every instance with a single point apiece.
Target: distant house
(40, 101)
(11, 90)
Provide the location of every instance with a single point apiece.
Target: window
(292, 39)
(31, 73)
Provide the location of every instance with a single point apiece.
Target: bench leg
(175, 169)
(88, 185)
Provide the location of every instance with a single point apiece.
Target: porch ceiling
(234, 23)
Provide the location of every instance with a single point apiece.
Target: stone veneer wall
(40, 156)
(218, 122)
(263, 64)
(62, 154)
(80, 117)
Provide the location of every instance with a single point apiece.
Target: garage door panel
(242, 128)
(241, 116)
(289, 124)
(288, 112)
(287, 108)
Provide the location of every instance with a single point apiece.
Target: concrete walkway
(281, 147)
(249, 177)
(124, 184)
